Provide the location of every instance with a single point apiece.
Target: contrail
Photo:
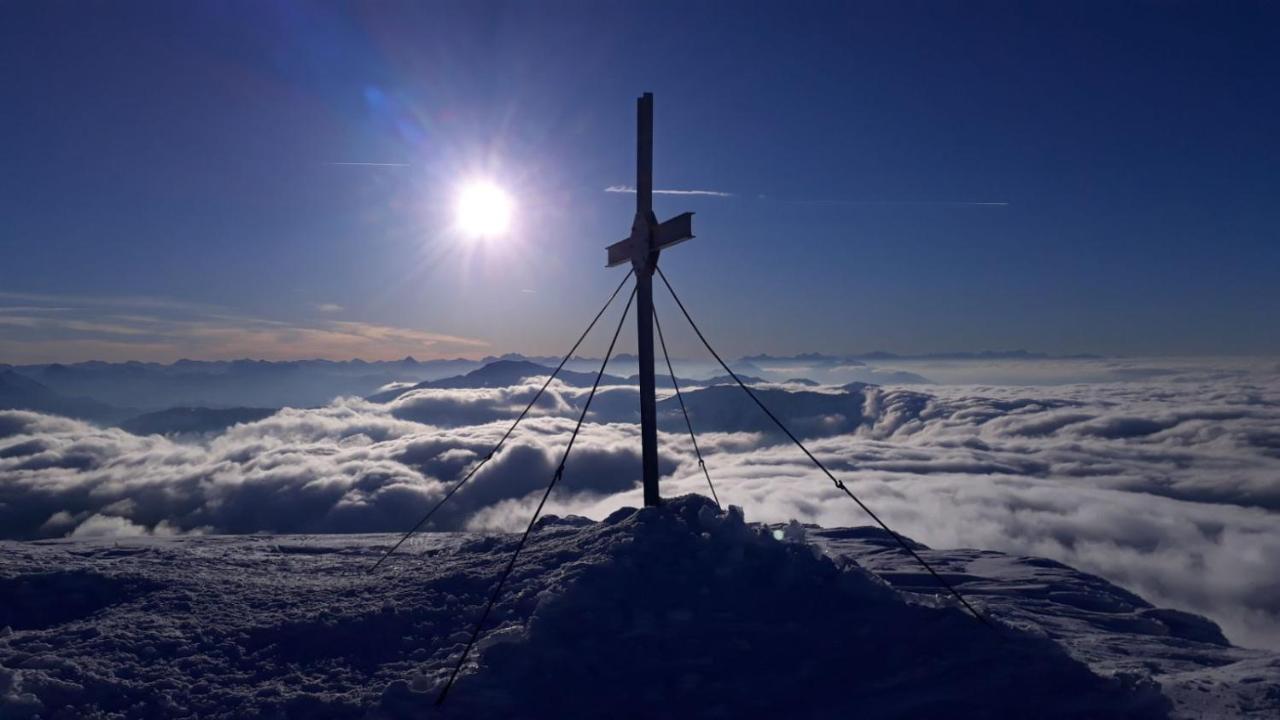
(717, 193)
(707, 193)
(899, 202)
(369, 164)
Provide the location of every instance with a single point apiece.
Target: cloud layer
(1167, 486)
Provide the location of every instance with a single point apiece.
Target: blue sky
(170, 185)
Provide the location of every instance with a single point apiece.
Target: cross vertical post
(648, 237)
(644, 259)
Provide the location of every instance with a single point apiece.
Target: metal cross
(648, 238)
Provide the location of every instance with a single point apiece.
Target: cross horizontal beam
(666, 234)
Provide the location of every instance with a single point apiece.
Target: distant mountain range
(504, 373)
(247, 383)
(194, 421)
(192, 396)
(859, 359)
(714, 405)
(148, 387)
(18, 392)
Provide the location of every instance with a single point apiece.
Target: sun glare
(484, 210)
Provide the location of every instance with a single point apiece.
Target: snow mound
(677, 611)
(684, 611)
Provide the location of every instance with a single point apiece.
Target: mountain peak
(652, 595)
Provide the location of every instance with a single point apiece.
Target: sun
(484, 210)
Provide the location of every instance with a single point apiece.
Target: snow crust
(678, 611)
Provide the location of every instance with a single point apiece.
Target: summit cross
(648, 238)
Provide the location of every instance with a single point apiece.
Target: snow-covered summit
(678, 611)
(685, 611)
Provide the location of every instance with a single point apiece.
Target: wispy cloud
(328, 307)
(54, 301)
(706, 193)
(717, 193)
(953, 203)
(368, 164)
(103, 328)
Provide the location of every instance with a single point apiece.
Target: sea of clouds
(1166, 481)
